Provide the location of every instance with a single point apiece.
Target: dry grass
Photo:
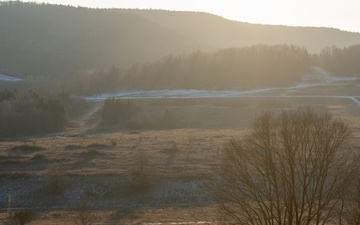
(130, 216)
(189, 148)
(100, 158)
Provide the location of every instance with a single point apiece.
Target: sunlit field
(97, 161)
(147, 116)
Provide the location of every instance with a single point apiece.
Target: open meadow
(150, 176)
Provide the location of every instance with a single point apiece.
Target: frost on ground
(28, 192)
(9, 79)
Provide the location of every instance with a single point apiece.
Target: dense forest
(42, 40)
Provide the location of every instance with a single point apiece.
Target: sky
(342, 14)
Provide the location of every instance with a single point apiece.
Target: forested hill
(53, 40)
(44, 40)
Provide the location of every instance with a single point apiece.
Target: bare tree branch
(289, 169)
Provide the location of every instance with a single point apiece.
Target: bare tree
(351, 214)
(84, 216)
(289, 169)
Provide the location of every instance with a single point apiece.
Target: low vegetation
(117, 111)
(126, 114)
(142, 173)
(56, 180)
(151, 171)
(85, 216)
(26, 148)
(23, 216)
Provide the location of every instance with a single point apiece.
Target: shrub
(142, 174)
(56, 180)
(84, 216)
(73, 147)
(26, 148)
(97, 146)
(118, 111)
(24, 216)
(166, 121)
(138, 121)
(91, 153)
(39, 156)
(126, 114)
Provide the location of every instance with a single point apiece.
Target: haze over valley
(133, 116)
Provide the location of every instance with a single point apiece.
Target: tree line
(29, 114)
(252, 67)
(257, 66)
(340, 62)
(249, 67)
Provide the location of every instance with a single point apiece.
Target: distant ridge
(223, 33)
(53, 40)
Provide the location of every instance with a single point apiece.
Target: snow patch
(316, 77)
(10, 79)
(319, 74)
(191, 93)
(182, 93)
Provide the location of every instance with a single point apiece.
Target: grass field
(96, 163)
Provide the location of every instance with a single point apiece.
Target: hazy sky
(342, 14)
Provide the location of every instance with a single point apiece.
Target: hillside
(52, 40)
(58, 40)
(223, 33)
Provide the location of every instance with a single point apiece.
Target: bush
(91, 153)
(84, 216)
(24, 216)
(166, 121)
(126, 114)
(118, 111)
(26, 148)
(56, 180)
(39, 157)
(138, 121)
(142, 174)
